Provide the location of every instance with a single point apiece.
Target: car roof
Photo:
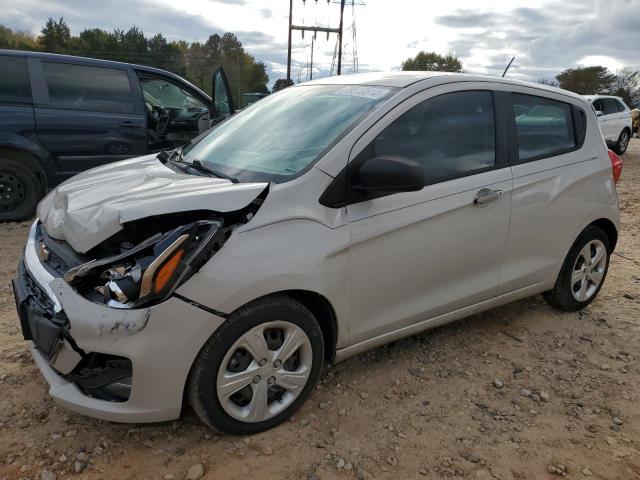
(403, 79)
(596, 97)
(96, 62)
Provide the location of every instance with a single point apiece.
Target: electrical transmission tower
(336, 65)
(354, 41)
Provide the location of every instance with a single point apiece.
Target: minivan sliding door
(87, 115)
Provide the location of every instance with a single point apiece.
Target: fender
(31, 146)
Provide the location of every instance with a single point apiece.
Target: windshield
(281, 136)
(166, 94)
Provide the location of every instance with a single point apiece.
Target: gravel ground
(519, 392)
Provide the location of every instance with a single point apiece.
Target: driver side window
(451, 136)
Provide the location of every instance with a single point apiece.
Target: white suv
(325, 220)
(614, 118)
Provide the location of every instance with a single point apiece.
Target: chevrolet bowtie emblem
(43, 252)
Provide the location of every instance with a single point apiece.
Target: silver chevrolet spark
(325, 220)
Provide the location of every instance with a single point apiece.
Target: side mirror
(390, 174)
(599, 113)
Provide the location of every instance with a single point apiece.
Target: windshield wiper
(198, 165)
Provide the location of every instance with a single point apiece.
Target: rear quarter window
(544, 127)
(14, 80)
(611, 105)
(80, 87)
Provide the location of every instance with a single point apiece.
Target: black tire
(20, 189)
(201, 384)
(561, 296)
(623, 142)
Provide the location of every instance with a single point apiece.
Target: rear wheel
(20, 190)
(258, 368)
(623, 142)
(583, 271)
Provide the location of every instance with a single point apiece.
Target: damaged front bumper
(116, 364)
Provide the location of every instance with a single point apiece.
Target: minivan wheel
(258, 368)
(583, 271)
(623, 142)
(20, 191)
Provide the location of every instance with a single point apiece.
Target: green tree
(281, 84)
(627, 86)
(195, 61)
(586, 80)
(433, 61)
(55, 36)
(17, 40)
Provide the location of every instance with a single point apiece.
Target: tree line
(624, 83)
(194, 61)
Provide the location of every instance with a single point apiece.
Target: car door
(612, 119)
(176, 111)
(553, 173)
(621, 117)
(16, 107)
(415, 256)
(86, 115)
(221, 94)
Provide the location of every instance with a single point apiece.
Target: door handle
(127, 124)
(486, 195)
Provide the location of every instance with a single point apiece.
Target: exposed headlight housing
(150, 271)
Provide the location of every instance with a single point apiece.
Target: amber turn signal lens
(166, 271)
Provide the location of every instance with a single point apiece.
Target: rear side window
(14, 80)
(544, 127)
(451, 135)
(97, 89)
(611, 105)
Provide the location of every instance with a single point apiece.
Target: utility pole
(313, 39)
(289, 52)
(342, 2)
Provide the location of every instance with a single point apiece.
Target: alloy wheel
(623, 142)
(588, 270)
(264, 371)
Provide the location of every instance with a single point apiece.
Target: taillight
(616, 166)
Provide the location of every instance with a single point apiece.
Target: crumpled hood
(92, 206)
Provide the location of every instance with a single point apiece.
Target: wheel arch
(324, 312)
(609, 229)
(37, 158)
(321, 309)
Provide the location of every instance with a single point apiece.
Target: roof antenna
(505, 70)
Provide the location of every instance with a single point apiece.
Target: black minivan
(60, 115)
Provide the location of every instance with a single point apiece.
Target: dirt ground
(519, 392)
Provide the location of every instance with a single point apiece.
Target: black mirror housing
(390, 174)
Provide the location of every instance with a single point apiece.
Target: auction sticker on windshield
(373, 93)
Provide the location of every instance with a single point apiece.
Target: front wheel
(623, 142)
(258, 368)
(583, 271)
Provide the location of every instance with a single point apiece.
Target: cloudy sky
(545, 36)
